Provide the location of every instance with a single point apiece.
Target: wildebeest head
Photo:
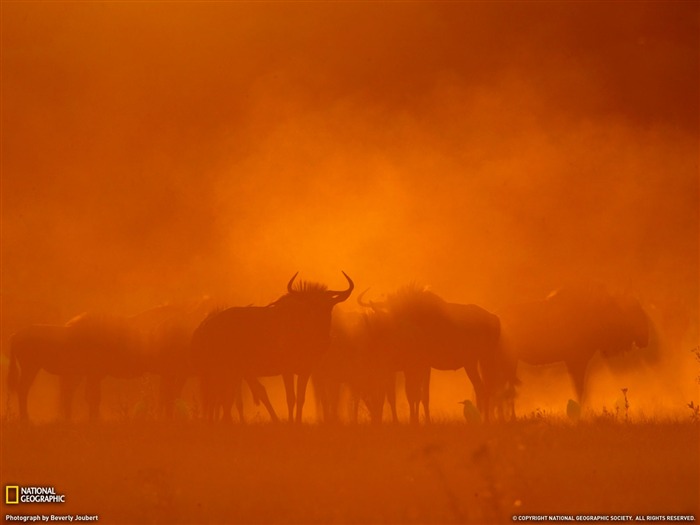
(575, 322)
(411, 300)
(313, 295)
(311, 304)
(635, 320)
(319, 291)
(599, 319)
(376, 306)
(408, 318)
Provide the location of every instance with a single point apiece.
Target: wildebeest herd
(411, 331)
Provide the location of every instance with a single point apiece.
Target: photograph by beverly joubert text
(42, 518)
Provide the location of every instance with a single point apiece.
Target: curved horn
(291, 282)
(374, 305)
(339, 297)
(362, 303)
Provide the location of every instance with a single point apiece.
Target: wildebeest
(32, 349)
(169, 337)
(423, 331)
(88, 347)
(571, 325)
(353, 364)
(288, 337)
(92, 346)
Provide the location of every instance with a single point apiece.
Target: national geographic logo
(11, 494)
(14, 494)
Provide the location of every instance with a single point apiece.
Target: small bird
(471, 413)
(573, 410)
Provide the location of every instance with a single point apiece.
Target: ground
(152, 472)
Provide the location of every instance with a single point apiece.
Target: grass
(149, 472)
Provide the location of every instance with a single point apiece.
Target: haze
(154, 152)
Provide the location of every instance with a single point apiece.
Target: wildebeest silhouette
(351, 363)
(571, 325)
(88, 347)
(422, 331)
(288, 337)
(93, 346)
(32, 349)
(167, 330)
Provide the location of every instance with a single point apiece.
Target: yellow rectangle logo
(11, 494)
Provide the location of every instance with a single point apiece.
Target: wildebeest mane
(307, 288)
(414, 299)
(310, 287)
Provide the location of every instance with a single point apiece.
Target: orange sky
(156, 151)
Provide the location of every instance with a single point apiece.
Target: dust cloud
(156, 152)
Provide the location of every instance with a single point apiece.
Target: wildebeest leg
(482, 403)
(500, 386)
(425, 393)
(171, 387)
(214, 386)
(504, 401)
(237, 398)
(374, 400)
(92, 393)
(26, 379)
(510, 403)
(330, 400)
(68, 384)
(322, 396)
(577, 371)
(260, 393)
(391, 397)
(214, 397)
(302, 380)
(413, 394)
(288, 380)
(230, 395)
